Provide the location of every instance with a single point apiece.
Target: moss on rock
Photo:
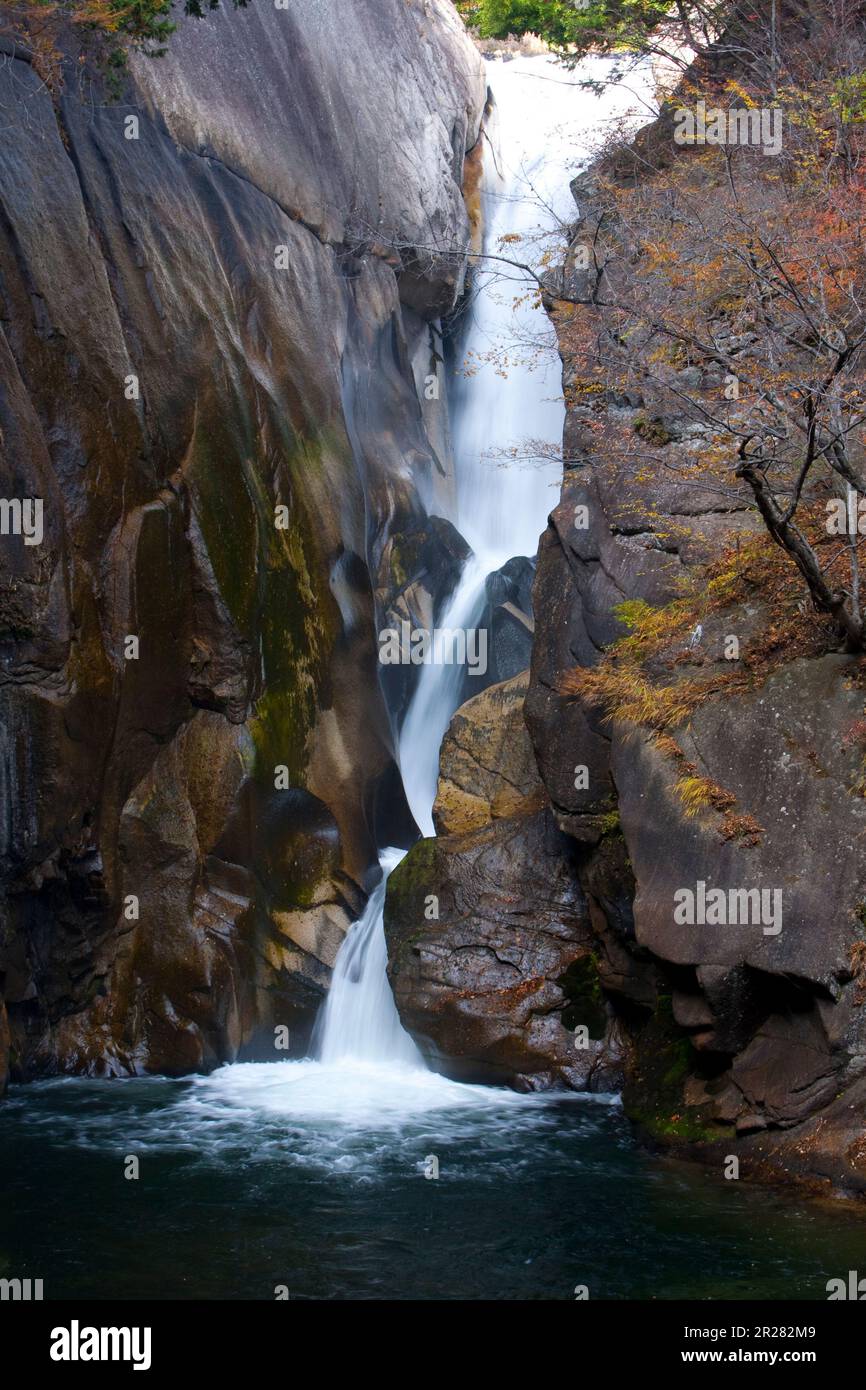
(582, 988)
(653, 1097)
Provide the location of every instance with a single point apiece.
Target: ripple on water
(352, 1119)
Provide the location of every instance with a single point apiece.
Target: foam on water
(352, 1093)
(366, 1122)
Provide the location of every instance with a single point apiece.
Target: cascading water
(435, 700)
(508, 410)
(359, 1018)
(507, 424)
(507, 402)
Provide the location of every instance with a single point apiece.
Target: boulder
(487, 769)
(499, 985)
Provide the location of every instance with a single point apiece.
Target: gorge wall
(558, 957)
(215, 329)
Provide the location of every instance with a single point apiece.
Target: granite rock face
(748, 1027)
(494, 958)
(501, 986)
(217, 302)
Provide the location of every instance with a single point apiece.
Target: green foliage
(633, 612)
(553, 20)
(149, 21)
(848, 97)
(561, 23)
(610, 823)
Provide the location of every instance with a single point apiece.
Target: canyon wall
(745, 1036)
(561, 954)
(218, 310)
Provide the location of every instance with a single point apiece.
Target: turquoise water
(313, 1178)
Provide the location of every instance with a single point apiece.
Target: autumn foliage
(38, 28)
(726, 290)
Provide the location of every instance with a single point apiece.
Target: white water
(369, 1073)
(508, 409)
(436, 698)
(508, 389)
(359, 1020)
(543, 130)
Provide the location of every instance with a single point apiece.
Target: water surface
(312, 1176)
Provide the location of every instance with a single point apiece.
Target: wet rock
(494, 988)
(508, 622)
(506, 938)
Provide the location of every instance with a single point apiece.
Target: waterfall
(359, 1018)
(507, 427)
(507, 401)
(436, 697)
(503, 407)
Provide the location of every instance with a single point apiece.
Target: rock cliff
(217, 315)
(753, 1032)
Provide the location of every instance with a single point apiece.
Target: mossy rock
(653, 1096)
(273, 583)
(580, 984)
(298, 847)
(409, 886)
(653, 431)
